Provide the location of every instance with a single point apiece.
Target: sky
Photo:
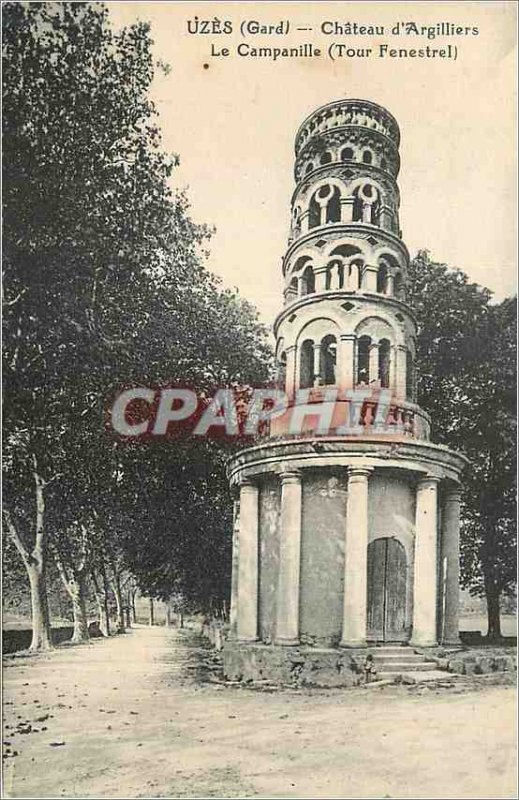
(233, 120)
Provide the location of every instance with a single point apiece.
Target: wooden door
(387, 582)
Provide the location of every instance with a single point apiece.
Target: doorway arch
(387, 590)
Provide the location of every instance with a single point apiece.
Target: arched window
(358, 268)
(314, 213)
(326, 158)
(334, 274)
(325, 206)
(357, 207)
(347, 154)
(308, 281)
(382, 275)
(409, 375)
(384, 360)
(363, 347)
(333, 209)
(367, 157)
(328, 359)
(282, 371)
(306, 364)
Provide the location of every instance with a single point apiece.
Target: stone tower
(347, 517)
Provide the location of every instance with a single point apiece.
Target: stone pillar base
(286, 642)
(424, 643)
(353, 643)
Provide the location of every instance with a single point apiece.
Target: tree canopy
(466, 363)
(105, 286)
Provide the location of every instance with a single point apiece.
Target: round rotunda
(346, 530)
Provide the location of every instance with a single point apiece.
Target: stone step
(405, 666)
(398, 657)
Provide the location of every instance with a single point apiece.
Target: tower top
(344, 113)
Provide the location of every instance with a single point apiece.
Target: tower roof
(352, 103)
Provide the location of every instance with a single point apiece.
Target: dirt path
(129, 717)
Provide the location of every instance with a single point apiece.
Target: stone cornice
(341, 295)
(424, 459)
(367, 104)
(339, 166)
(350, 229)
(351, 128)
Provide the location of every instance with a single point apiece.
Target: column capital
(358, 473)
(289, 348)
(452, 494)
(428, 481)
(248, 483)
(290, 476)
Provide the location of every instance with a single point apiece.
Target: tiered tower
(348, 537)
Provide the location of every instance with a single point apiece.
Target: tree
(466, 368)
(104, 280)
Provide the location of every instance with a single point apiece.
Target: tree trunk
(41, 631)
(128, 618)
(119, 601)
(180, 619)
(152, 613)
(34, 559)
(134, 610)
(493, 615)
(168, 614)
(73, 580)
(102, 606)
(76, 589)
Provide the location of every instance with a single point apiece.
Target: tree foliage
(105, 283)
(466, 363)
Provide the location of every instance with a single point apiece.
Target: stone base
(303, 666)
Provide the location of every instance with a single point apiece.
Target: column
(335, 280)
(317, 364)
(367, 211)
(247, 627)
(356, 559)
(235, 561)
(451, 566)
(390, 284)
(347, 208)
(346, 362)
(401, 366)
(392, 369)
(356, 278)
(425, 563)
(369, 283)
(291, 370)
(287, 606)
(320, 279)
(373, 363)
